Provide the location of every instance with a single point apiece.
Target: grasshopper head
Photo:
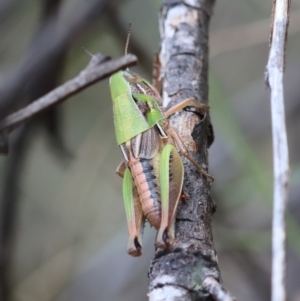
(121, 82)
(128, 82)
(132, 77)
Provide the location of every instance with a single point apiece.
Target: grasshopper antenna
(128, 38)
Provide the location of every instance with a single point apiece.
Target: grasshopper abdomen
(146, 179)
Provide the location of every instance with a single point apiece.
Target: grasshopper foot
(164, 239)
(134, 247)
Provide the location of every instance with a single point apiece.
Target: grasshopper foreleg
(121, 169)
(171, 132)
(186, 103)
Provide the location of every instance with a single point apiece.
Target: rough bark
(178, 274)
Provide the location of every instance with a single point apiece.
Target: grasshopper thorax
(132, 77)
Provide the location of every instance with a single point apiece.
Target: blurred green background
(69, 228)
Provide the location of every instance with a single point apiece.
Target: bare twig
(42, 50)
(274, 78)
(216, 290)
(85, 78)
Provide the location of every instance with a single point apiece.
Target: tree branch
(187, 270)
(274, 78)
(42, 51)
(85, 78)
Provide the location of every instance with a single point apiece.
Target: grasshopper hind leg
(134, 214)
(171, 180)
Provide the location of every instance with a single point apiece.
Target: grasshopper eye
(132, 77)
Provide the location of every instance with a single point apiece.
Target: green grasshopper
(152, 169)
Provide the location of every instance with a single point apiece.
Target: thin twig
(85, 78)
(216, 290)
(274, 78)
(42, 51)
